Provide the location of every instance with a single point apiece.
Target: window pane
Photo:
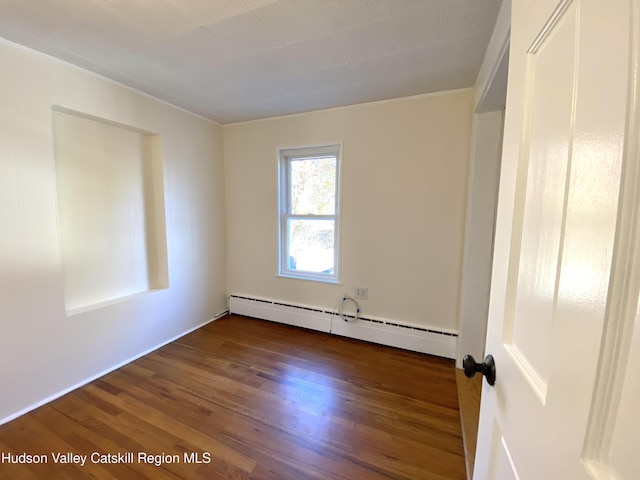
(313, 186)
(311, 245)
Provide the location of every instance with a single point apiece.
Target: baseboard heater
(385, 332)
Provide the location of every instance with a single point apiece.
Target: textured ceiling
(236, 60)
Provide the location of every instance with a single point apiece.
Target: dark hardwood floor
(251, 399)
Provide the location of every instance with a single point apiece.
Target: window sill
(112, 301)
(308, 279)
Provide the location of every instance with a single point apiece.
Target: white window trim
(284, 155)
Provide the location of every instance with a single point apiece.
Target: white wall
(404, 181)
(42, 351)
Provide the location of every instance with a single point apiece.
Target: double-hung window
(309, 182)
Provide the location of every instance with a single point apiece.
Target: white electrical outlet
(362, 293)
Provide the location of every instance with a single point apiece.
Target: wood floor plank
(254, 400)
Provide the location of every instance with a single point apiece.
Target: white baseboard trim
(305, 317)
(50, 398)
(385, 332)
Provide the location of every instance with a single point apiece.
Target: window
(309, 186)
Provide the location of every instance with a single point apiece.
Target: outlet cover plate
(361, 293)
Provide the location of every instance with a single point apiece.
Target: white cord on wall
(346, 298)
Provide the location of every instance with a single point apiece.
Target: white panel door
(564, 294)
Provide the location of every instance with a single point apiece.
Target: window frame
(285, 156)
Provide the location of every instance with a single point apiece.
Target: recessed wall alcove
(110, 202)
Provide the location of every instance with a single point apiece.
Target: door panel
(501, 465)
(541, 196)
(621, 452)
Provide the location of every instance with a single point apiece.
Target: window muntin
(309, 186)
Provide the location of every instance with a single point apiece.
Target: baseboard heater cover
(384, 332)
